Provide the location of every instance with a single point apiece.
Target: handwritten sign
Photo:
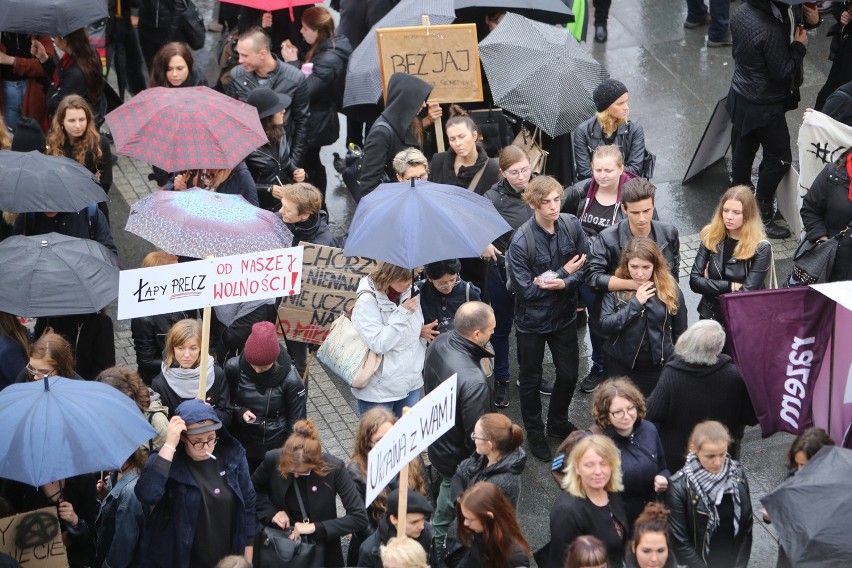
(209, 282)
(329, 283)
(34, 539)
(427, 421)
(446, 57)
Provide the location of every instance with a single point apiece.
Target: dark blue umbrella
(58, 428)
(410, 226)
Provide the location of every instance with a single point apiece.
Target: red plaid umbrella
(189, 128)
(270, 5)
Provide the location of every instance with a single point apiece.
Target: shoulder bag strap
(773, 277)
(472, 185)
(305, 518)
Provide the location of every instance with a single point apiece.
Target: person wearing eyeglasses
(443, 292)
(297, 489)
(411, 163)
(199, 491)
(50, 355)
(618, 409)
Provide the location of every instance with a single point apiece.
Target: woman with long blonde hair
(642, 325)
(302, 473)
(734, 255)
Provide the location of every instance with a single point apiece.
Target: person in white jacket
(389, 320)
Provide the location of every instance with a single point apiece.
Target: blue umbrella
(58, 428)
(410, 226)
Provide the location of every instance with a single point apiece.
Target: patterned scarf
(711, 488)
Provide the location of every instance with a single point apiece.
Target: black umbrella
(50, 17)
(31, 181)
(56, 275)
(547, 11)
(812, 511)
(364, 75)
(540, 73)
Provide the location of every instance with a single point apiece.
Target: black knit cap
(28, 136)
(607, 93)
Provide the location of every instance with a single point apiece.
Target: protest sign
(33, 539)
(329, 283)
(446, 57)
(209, 282)
(427, 421)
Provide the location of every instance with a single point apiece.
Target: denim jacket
(119, 524)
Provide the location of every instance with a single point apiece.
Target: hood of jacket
(338, 46)
(677, 362)
(406, 94)
(513, 463)
(307, 230)
(156, 406)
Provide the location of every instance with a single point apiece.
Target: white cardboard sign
(209, 282)
(427, 421)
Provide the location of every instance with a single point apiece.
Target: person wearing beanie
(271, 166)
(418, 511)
(268, 393)
(199, 491)
(28, 136)
(610, 125)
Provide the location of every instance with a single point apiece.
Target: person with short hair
(268, 393)
(591, 502)
(699, 383)
(545, 286)
(443, 292)
(260, 68)
(711, 514)
(489, 529)
(302, 212)
(403, 553)
(458, 351)
(301, 472)
(417, 527)
(411, 163)
(198, 491)
(586, 551)
(610, 125)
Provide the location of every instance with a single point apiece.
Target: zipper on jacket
(266, 414)
(641, 315)
(663, 338)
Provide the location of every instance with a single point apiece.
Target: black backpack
(526, 228)
(352, 163)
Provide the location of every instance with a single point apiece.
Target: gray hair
(407, 158)
(701, 343)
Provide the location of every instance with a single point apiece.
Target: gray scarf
(711, 488)
(185, 381)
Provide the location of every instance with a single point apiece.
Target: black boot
(773, 230)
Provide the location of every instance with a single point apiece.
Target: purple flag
(778, 341)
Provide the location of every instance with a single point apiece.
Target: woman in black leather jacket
(642, 326)
(734, 254)
(706, 534)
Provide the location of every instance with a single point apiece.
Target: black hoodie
(406, 95)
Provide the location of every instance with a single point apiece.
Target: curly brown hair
(606, 393)
(89, 142)
(303, 448)
(127, 381)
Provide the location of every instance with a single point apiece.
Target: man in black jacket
(545, 285)
(637, 204)
(260, 68)
(459, 351)
(767, 74)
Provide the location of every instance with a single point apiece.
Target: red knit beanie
(262, 346)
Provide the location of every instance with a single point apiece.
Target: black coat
(277, 406)
(369, 554)
(627, 325)
(538, 310)
(357, 17)
(510, 205)
(689, 519)
(687, 394)
(838, 105)
(314, 230)
(405, 96)
(629, 137)
(440, 307)
(606, 251)
(219, 395)
(285, 80)
(320, 502)
(325, 85)
(80, 225)
(573, 516)
(149, 341)
(270, 165)
(72, 81)
(442, 170)
(166, 14)
(102, 166)
(767, 65)
(239, 182)
(723, 272)
(451, 353)
(517, 558)
(826, 211)
(91, 338)
(505, 474)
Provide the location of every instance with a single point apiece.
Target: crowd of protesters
(654, 482)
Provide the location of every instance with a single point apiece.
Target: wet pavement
(674, 83)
